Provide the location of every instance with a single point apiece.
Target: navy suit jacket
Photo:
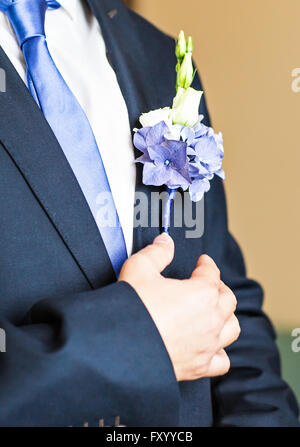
(80, 346)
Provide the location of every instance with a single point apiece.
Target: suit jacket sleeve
(82, 358)
(253, 392)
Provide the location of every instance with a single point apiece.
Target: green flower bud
(185, 109)
(181, 46)
(189, 45)
(186, 72)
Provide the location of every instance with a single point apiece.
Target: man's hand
(195, 317)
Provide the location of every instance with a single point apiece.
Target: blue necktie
(67, 120)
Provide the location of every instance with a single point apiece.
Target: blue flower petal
(156, 134)
(190, 163)
(143, 158)
(198, 188)
(155, 175)
(177, 180)
(139, 139)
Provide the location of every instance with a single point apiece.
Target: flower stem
(167, 210)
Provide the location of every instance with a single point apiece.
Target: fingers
(230, 332)
(160, 253)
(219, 365)
(207, 269)
(227, 302)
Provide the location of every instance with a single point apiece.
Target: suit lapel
(40, 159)
(29, 140)
(140, 87)
(133, 70)
(35, 150)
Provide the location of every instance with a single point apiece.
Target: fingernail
(163, 238)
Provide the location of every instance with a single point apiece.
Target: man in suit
(84, 343)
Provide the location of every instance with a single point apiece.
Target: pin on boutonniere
(178, 150)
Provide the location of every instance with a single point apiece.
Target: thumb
(161, 252)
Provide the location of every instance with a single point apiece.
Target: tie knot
(27, 16)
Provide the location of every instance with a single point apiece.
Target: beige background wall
(246, 51)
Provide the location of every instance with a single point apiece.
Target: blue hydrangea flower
(180, 156)
(206, 153)
(165, 160)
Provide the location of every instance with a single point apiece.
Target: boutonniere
(178, 150)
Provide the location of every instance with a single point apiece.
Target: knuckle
(229, 304)
(217, 321)
(201, 366)
(226, 365)
(138, 262)
(210, 288)
(237, 329)
(234, 301)
(204, 259)
(142, 258)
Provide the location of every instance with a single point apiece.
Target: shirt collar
(71, 7)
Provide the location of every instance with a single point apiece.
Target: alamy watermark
(296, 80)
(296, 342)
(2, 81)
(2, 340)
(149, 210)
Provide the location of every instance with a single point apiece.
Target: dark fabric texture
(81, 347)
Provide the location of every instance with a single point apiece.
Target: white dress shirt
(77, 47)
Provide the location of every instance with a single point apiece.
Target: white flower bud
(185, 109)
(156, 116)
